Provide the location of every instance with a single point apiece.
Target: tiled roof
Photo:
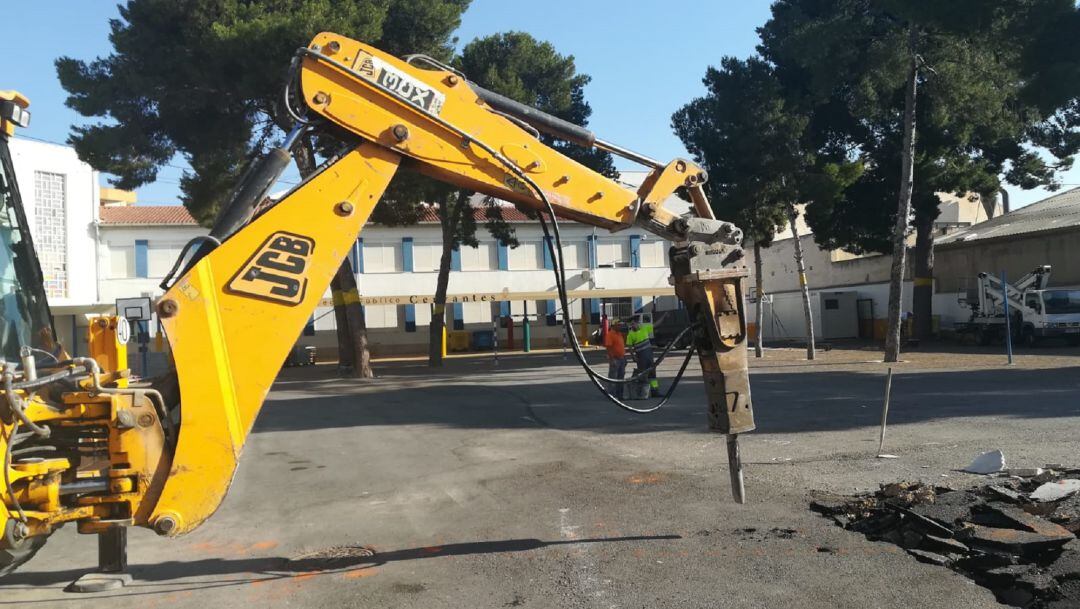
(1055, 213)
(430, 213)
(147, 215)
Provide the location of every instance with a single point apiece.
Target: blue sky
(646, 59)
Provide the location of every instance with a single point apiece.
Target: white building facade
(96, 246)
(61, 198)
(397, 270)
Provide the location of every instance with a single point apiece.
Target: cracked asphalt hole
(1015, 536)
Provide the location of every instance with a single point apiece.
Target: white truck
(1035, 311)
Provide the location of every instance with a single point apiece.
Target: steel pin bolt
(343, 209)
(167, 308)
(400, 132)
(320, 98)
(452, 80)
(164, 525)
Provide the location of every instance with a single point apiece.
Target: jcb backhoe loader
(80, 445)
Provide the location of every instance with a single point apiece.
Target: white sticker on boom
(406, 87)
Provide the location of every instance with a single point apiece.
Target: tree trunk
(354, 359)
(903, 210)
(345, 347)
(923, 293)
(800, 265)
(438, 313)
(759, 311)
(356, 326)
(450, 210)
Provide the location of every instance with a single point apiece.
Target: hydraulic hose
(555, 249)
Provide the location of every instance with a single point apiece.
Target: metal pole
(885, 412)
(564, 341)
(495, 337)
(1008, 322)
(584, 324)
(144, 339)
(526, 336)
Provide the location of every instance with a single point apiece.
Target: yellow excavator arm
(233, 315)
(244, 293)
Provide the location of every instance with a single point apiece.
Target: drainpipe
(1004, 200)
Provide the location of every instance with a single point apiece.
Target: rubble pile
(1016, 536)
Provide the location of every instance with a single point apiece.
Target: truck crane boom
(242, 294)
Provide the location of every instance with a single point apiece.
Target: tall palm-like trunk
(759, 311)
(903, 208)
(800, 265)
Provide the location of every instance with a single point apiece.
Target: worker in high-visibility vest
(639, 340)
(616, 350)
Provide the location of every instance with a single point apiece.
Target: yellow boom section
(382, 99)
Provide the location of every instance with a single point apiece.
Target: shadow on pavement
(254, 571)
(784, 402)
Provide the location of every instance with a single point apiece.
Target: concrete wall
(866, 275)
(824, 269)
(957, 265)
(785, 320)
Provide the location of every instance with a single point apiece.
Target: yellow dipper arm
(233, 315)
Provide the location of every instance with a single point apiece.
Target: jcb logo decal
(276, 271)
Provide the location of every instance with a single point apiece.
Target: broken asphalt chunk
(949, 508)
(1025, 472)
(1016, 518)
(927, 525)
(944, 545)
(1006, 493)
(1024, 543)
(929, 557)
(1053, 491)
(984, 561)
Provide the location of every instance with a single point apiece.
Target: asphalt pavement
(518, 486)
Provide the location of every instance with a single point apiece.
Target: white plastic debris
(1052, 491)
(989, 462)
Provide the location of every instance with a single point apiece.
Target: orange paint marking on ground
(264, 545)
(206, 546)
(646, 478)
(303, 577)
(360, 573)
